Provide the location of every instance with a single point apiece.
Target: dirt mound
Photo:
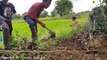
(81, 48)
(98, 43)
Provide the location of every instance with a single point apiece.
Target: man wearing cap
(33, 14)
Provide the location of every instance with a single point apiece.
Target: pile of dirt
(81, 48)
(78, 47)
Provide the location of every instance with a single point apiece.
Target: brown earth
(78, 47)
(81, 47)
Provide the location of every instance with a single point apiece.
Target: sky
(84, 5)
(78, 5)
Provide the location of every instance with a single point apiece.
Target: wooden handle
(48, 29)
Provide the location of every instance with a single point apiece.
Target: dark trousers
(9, 23)
(6, 34)
(33, 27)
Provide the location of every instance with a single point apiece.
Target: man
(3, 24)
(74, 21)
(1, 12)
(6, 11)
(33, 14)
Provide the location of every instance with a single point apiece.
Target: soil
(75, 48)
(78, 47)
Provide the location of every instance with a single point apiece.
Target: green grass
(62, 29)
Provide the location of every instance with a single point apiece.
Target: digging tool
(52, 34)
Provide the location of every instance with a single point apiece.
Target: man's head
(46, 0)
(5, 0)
(46, 3)
(73, 18)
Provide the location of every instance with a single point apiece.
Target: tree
(17, 16)
(44, 14)
(98, 18)
(53, 13)
(63, 7)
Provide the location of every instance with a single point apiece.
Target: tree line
(62, 7)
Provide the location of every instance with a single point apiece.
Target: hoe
(52, 34)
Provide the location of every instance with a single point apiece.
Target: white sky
(84, 5)
(78, 5)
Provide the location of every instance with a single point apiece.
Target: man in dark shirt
(6, 11)
(1, 13)
(33, 14)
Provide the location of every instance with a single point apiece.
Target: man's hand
(42, 24)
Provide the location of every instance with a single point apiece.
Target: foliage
(44, 14)
(53, 13)
(63, 7)
(98, 18)
(17, 16)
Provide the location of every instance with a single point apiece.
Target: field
(66, 46)
(61, 27)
